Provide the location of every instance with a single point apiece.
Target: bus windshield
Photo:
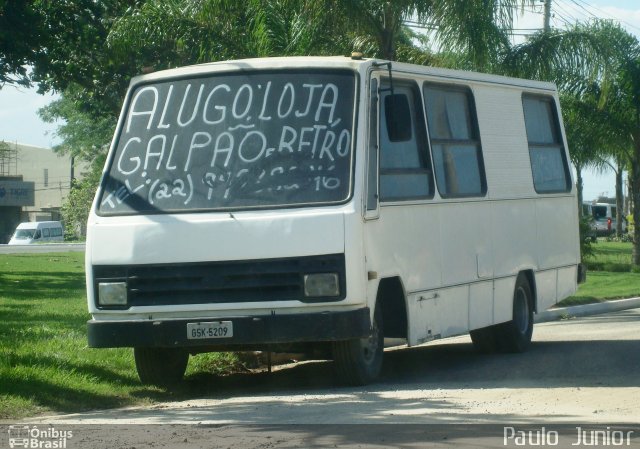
(233, 141)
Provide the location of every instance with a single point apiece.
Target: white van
(294, 202)
(604, 217)
(37, 232)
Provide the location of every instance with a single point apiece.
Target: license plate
(215, 329)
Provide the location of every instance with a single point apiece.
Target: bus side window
(405, 168)
(37, 235)
(455, 141)
(45, 232)
(548, 160)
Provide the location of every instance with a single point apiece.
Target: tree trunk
(634, 177)
(619, 200)
(387, 44)
(388, 34)
(627, 199)
(579, 188)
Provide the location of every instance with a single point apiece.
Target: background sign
(16, 193)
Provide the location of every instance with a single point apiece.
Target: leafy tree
(86, 136)
(61, 42)
(4, 148)
(585, 149)
(593, 135)
(84, 133)
(76, 207)
(75, 54)
(20, 36)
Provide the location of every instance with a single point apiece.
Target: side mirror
(398, 117)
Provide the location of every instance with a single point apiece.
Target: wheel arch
(391, 297)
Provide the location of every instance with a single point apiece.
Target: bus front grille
(220, 282)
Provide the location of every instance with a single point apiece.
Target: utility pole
(547, 16)
(73, 177)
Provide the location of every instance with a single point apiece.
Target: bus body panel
(556, 244)
(503, 299)
(390, 253)
(156, 239)
(481, 304)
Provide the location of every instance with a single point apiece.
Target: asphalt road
(44, 248)
(583, 370)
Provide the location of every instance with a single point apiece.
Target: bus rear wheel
(358, 361)
(162, 367)
(484, 340)
(515, 335)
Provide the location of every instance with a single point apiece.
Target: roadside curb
(42, 248)
(587, 309)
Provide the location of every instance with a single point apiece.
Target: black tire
(515, 335)
(359, 361)
(484, 340)
(162, 367)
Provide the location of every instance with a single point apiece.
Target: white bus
(333, 202)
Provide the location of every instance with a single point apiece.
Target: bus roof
(335, 62)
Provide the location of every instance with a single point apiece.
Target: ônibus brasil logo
(32, 437)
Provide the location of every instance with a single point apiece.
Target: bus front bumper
(247, 330)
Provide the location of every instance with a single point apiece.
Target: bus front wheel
(358, 361)
(161, 367)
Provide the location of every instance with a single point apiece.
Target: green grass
(603, 285)
(610, 256)
(45, 364)
(610, 275)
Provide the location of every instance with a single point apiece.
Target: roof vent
(356, 55)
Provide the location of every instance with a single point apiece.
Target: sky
(19, 121)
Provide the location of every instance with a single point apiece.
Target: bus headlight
(321, 284)
(112, 293)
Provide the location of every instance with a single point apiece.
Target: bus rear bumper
(247, 330)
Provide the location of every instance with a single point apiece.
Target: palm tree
(587, 139)
(181, 31)
(476, 29)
